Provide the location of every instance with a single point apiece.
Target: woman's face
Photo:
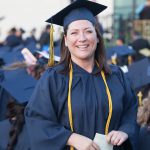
(81, 40)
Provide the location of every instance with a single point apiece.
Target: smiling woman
(82, 95)
(81, 40)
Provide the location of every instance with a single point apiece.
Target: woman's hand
(82, 143)
(116, 137)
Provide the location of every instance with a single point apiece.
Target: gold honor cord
(109, 103)
(69, 100)
(70, 107)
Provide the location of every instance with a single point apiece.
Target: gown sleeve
(43, 127)
(129, 116)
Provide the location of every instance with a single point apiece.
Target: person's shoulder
(115, 69)
(117, 73)
(55, 69)
(53, 72)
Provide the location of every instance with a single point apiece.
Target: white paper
(46, 55)
(101, 141)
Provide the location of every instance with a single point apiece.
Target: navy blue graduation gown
(23, 138)
(4, 99)
(47, 112)
(144, 139)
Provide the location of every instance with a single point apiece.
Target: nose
(82, 37)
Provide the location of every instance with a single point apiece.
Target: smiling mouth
(82, 46)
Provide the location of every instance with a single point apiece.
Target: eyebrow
(83, 28)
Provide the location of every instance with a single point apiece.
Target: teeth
(84, 46)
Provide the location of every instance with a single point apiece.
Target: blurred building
(124, 15)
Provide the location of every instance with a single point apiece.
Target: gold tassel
(114, 61)
(140, 95)
(130, 60)
(51, 48)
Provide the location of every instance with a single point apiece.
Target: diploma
(101, 141)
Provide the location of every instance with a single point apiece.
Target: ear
(65, 38)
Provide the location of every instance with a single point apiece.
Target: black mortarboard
(139, 73)
(78, 10)
(18, 84)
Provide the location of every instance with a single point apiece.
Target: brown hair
(100, 55)
(15, 115)
(143, 116)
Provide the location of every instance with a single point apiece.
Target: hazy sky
(32, 13)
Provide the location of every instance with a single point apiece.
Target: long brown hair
(15, 115)
(143, 116)
(100, 55)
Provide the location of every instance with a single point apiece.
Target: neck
(85, 64)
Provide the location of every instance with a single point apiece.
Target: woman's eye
(89, 31)
(73, 33)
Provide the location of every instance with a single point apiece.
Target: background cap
(139, 73)
(18, 84)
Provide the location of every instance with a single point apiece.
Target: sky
(33, 13)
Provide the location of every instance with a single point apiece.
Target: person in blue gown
(144, 120)
(82, 95)
(13, 131)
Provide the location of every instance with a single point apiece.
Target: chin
(85, 57)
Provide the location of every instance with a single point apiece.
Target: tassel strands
(51, 47)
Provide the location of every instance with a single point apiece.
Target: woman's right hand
(82, 143)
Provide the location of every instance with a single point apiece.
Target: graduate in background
(82, 95)
(144, 120)
(13, 132)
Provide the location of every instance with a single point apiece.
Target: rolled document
(101, 141)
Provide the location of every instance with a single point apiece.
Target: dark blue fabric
(138, 73)
(23, 138)
(144, 139)
(18, 84)
(120, 51)
(47, 112)
(4, 99)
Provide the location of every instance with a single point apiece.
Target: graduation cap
(46, 55)
(139, 73)
(78, 10)
(13, 56)
(18, 84)
(122, 50)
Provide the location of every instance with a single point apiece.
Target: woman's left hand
(116, 137)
